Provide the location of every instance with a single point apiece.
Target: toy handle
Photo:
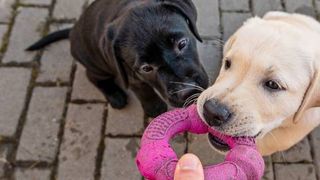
(156, 160)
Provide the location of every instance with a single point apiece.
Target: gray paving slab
(83, 89)
(127, 121)
(6, 10)
(315, 144)
(260, 7)
(199, 145)
(39, 141)
(208, 18)
(211, 58)
(232, 21)
(27, 29)
(80, 142)
(295, 171)
(56, 63)
(32, 174)
(301, 152)
(268, 171)
(119, 159)
(70, 9)
(14, 83)
(234, 5)
(293, 5)
(179, 144)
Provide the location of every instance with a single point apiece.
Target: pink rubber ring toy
(156, 160)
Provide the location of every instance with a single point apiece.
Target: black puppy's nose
(216, 113)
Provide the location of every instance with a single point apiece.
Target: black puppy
(146, 45)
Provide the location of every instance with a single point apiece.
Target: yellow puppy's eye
(227, 64)
(272, 85)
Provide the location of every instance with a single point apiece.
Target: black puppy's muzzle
(215, 113)
(187, 93)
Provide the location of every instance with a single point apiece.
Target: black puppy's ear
(188, 10)
(110, 50)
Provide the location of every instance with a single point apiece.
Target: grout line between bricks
(5, 40)
(101, 147)
(251, 7)
(35, 69)
(32, 164)
(63, 121)
(235, 11)
(283, 5)
(314, 4)
(82, 101)
(122, 136)
(31, 64)
(25, 5)
(22, 119)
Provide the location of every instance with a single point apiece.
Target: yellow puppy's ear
(311, 98)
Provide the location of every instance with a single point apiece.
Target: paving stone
(56, 62)
(231, 5)
(295, 172)
(80, 142)
(315, 142)
(293, 5)
(83, 89)
(199, 145)
(39, 140)
(210, 56)
(179, 144)
(268, 171)
(13, 83)
(3, 30)
(232, 21)
(208, 18)
(5, 10)
(32, 174)
(70, 9)
(4, 164)
(260, 7)
(26, 30)
(127, 121)
(37, 2)
(298, 153)
(119, 159)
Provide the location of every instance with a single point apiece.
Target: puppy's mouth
(220, 145)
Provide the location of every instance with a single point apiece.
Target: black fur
(51, 38)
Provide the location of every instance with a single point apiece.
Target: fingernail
(189, 163)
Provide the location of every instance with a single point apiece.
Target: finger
(189, 167)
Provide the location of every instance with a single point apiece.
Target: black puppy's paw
(154, 110)
(117, 100)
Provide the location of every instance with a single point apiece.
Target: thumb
(189, 167)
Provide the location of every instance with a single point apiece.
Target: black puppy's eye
(272, 85)
(146, 68)
(227, 64)
(182, 44)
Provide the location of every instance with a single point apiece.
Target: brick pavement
(55, 125)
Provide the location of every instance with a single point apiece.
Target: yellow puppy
(269, 84)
